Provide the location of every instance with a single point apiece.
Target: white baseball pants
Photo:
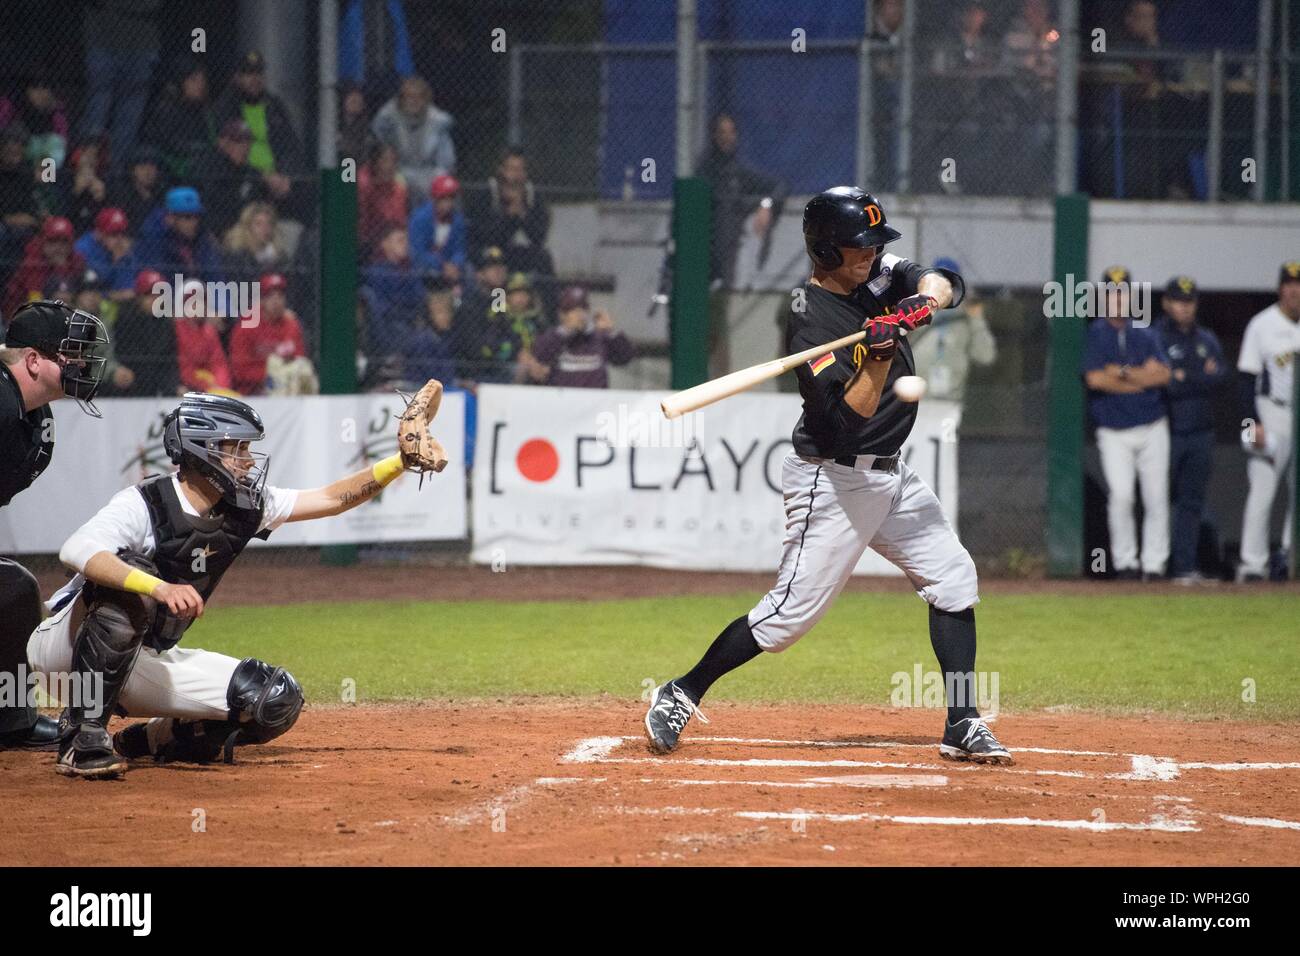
(1264, 476)
(833, 513)
(181, 682)
(1130, 456)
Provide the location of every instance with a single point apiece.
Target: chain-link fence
(515, 167)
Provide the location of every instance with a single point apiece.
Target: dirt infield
(571, 782)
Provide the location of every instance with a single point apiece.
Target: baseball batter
(148, 562)
(1266, 366)
(845, 484)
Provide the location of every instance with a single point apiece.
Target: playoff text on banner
(585, 476)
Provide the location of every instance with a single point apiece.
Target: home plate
(885, 780)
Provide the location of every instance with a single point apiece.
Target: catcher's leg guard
(264, 703)
(103, 656)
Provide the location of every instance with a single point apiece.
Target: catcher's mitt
(420, 451)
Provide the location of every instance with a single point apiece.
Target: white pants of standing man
(1265, 474)
(1130, 456)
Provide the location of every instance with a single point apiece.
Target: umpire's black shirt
(829, 428)
(26, 444)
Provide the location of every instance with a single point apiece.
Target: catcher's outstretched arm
(346, 493)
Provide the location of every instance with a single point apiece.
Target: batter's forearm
(863, 392)
(937, 287)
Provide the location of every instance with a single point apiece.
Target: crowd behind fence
(136, 161)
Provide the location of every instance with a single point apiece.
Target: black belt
(882, 463)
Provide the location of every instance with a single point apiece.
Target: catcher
(148, 561)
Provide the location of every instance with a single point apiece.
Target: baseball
(909, 388)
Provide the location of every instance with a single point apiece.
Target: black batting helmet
(843, 216)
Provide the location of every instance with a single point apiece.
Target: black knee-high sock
(952, 634)
(729, 650)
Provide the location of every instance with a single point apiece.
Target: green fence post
(688, 332)
(1065, 419)
(338, 305)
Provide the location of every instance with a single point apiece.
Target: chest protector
(191, 550)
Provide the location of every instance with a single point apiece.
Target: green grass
(1186, 654)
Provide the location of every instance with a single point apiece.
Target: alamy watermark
(922, 688)
(1090, 300)
(25, 688)
(190, 298)
(633, 426)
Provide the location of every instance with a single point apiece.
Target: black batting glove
(915, 311)
(882, 337)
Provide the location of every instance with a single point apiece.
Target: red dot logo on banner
(537, 460)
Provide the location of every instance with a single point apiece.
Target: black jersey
(829, 428)
(26, 439)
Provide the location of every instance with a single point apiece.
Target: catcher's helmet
(843, 216)
(193, 431)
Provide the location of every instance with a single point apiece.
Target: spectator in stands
(107, 250)
(276, 150)
(145, 341)
(88, 296)
(86, 191)
(514, 218)
(228, 179)
(739, 194)
(1197, 372)
(381, 198)
(354, 122)
(254, 246)
(487, 345)
(121, 44)
(972, 48)
(395, 298)
(139, 190)
(438, 234)
(1126, 373)
(945, 350)
(49, 255)
(523, 310)
(175, 240)
(183, 124)
(577, 353)
(887, 20)
(273, 329)
(42, 115)
(431, 352)
(419, 131)
(19, 211)
(200, 356)
(1032, 44)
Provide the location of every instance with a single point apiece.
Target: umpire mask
(75, 339)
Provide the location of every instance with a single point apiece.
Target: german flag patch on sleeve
(818, 364)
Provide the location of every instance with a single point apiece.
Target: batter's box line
(1143, 766)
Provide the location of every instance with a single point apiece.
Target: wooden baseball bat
(715, 390)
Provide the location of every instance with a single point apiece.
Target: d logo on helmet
(873, 214)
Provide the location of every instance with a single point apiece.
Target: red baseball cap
(146, 279)
(111, 220)
(57, 227)
(443, 186)
(273, 282)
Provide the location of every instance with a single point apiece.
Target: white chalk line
(1261, 822)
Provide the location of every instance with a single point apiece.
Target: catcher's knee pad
(265, 700)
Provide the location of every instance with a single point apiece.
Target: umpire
(1197, 371)
(50, 351)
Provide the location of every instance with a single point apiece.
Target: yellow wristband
(140, 582)
(388, 469)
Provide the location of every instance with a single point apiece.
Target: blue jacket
(426, 257)
(397, 302)
(116, 276)
(158, 248)
(1125, 346)
(1191, 401)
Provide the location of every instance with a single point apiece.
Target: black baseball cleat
(971, 739)
(132, 742)
(42, 735)
(670, 710)
(89, 754)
